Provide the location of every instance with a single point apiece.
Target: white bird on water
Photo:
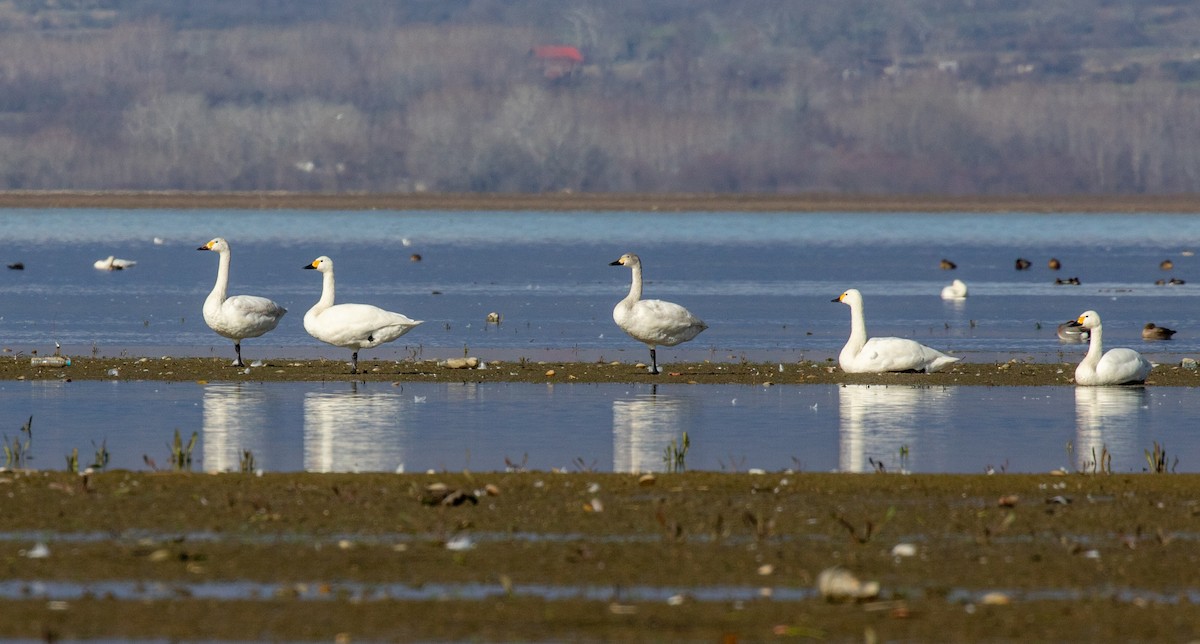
(653, 322)
(956, 291)
(113, 263)
(352, 326)
(879, 355)
(1116, 367)
(241, 316)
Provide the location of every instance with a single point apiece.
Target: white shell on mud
(838, 584)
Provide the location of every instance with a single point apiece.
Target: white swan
(956, 291)
(352, 326)
(1115, 367)
(653, 322)
(241, 316)
(879, 355)
(112, 263)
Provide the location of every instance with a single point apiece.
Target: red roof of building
(558, 52)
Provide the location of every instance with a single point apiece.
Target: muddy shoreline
(546, 556)
(1011, 373)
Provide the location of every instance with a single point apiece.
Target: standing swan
(879, 355)
(653, 322)
(1116, 367)
(240, 316)
(352, 326)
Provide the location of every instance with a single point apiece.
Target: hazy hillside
(920, 96)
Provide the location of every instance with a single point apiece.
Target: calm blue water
(488, 427)
(763, 282)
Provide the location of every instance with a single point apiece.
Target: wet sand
(682, 557)
(1011, 373)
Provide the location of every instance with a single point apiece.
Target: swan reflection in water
(236, 418)
(353, 431)
(878, 421)
(643, 428)
(1108, 418)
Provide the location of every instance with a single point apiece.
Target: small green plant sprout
(1158, 460)
(73, 461)
(246, 462)
(1100, 463)
(16, 451)
(675, 454)
(101, 457)
(181, 455)
(904, 458)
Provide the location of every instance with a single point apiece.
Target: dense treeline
(776, 96)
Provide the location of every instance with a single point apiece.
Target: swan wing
(657, 322)
(1121, 366)
(357, 325)
(899, 354)
(248, 316)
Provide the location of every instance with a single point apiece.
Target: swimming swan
(956, 291)
(112, 263)
(653, 322)
(241, 316)
(879, 355)
(1116, 367)
(351, 326)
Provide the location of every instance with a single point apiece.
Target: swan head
(218, 244)
(628, 259)
(1089, 320)
(322, 264)
(851, 297)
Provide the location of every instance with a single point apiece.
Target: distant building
(557, 61)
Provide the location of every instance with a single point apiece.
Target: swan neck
(220, 288)
(327, 290)
(635, 288)
(1095, 346)
(858, 328)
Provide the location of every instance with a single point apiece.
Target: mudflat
(1012, 373)
(549, 556)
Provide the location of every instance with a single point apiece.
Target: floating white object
(112, 263)
(956, 291)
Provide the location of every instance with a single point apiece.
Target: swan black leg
(354, 362)
(653, 363)
(237, 346)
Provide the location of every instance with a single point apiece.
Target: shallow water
(327, 427)
(763, 282)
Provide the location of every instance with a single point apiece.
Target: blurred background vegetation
(954, 97)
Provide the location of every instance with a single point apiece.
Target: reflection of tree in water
(350, 431)
(1107, 420)
(235, 419)
(643, 427)
(878, 422)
